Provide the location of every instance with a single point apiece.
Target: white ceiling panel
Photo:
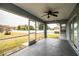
(37, 9)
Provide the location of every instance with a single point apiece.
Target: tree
(40, 26)
(26, 27)
(22, 27)
(31, 27)
(18, 28)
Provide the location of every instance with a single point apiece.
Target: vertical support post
(29, 30)
(45, 30)
(35, 31)
(61, 32)
(60, 29)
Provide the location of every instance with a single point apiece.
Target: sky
(7, 18)
(10, 19)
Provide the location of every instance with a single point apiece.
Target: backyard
(16, 31)
(14, 42)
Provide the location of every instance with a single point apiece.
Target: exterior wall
(75, 13)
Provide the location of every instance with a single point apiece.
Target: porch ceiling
(37, 9)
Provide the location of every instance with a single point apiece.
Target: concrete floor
(47, 47)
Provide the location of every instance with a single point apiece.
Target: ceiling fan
(50, 13)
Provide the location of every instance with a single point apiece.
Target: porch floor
(47, 47)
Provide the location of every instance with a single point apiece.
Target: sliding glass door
(74, 31)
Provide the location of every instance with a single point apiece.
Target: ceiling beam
(57, 21)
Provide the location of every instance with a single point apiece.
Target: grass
(8, 45)
(53, 35)
(13, 34)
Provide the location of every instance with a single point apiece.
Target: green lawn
(8, 45)
(53, 35)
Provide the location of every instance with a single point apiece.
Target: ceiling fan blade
(55, 15)
(43, 15)
(48, 16)
(55, 12)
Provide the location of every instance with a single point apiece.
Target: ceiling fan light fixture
(52, 13)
